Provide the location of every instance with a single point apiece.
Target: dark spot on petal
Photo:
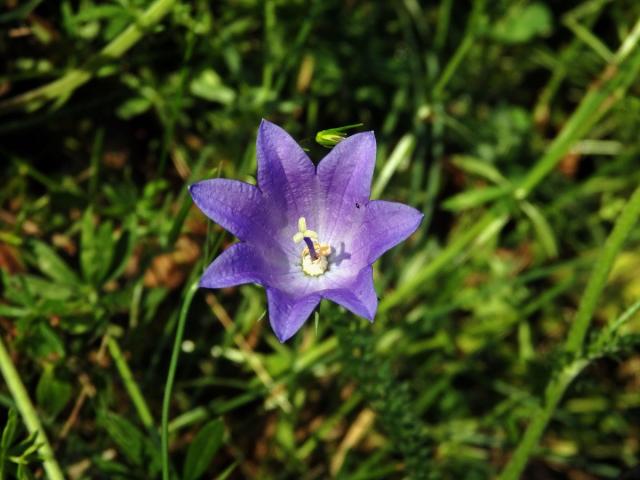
(357, 205)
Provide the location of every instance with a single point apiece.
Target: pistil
(312, 250)
(315, 255)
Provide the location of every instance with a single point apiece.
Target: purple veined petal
(241, 263)
(359, 297)
(236, 206)
(386, 224)
(286, 175)
(287, 313)
(345, 182)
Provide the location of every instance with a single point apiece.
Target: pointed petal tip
(196, 188)
(372, 309)
(368, 136)
(370, 316)
(288, 313)
(370, 133)
(283, 337)
(266, 125)
(418, 220)
(192, 187)
(194, 193)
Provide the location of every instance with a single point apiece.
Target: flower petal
(236, 206)
(286, 175)
(386, 224)
(238, 264)
(359, 297)
(287, 313)
(345, 181)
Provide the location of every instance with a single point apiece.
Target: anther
(303, 232)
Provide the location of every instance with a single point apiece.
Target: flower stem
(558, 383)
(173, 364)
(28, 412)
(74, 78)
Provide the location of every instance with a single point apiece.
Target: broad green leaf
(131, 442)
(43, 288)
(133, 107)
(522, 23)
(14, 312)
(123, 248)
(44, 342)
(96, 248)
(52, 393)
(202, 449)
(209, 86)
(126, 436)
(50, 263)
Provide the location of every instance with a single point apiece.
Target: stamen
(315, 256)
(303, 232)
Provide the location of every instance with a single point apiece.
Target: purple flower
(305, 233)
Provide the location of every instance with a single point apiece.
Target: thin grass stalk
(559, 382)
(29, 414)
(130, 383)
(605, 92)
(171, 375)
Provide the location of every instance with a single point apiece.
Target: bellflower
(305, 233)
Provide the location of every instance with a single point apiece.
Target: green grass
(505, 343)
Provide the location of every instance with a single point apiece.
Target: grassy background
(512, 125)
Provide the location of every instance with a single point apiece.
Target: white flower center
(315, 255)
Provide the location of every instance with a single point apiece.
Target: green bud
(331, 137)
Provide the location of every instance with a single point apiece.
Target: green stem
(28, 412)
(574, 343)
(129, 383)
(589, 13)
(612, 246)
(76, 77)
(173, 364)
(468, 41)
(609, 89)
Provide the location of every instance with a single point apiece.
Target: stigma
(315, 255)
